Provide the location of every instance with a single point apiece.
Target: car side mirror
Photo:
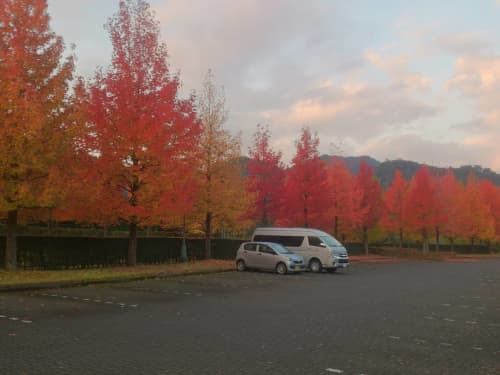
(322, 244)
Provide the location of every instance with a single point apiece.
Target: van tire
(315, 265)
(281, 268)
(241, 266)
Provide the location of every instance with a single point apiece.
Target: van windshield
(280, 248)
(330, 241)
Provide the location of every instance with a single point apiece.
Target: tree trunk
(425, 241)
(11, 241)
(336, 227)
(437, 239)
(208, 235)
(132, 245)
(365, 239)
(400, 238)
(306, 224)
(452, 243)
(472, 244)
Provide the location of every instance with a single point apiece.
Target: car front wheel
(315, 265)
(281, 268)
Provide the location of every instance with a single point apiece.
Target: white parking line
(395, 337)
(334, 370)
(448, 320)
(445, 344)
(478, 348)
(471, 322)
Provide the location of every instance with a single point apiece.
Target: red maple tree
(140, 133)
(420, 205)
(306, 186)
(345, 199)
(265, 178)
(394, 217)
(478, 223)
(371, 201)
(450, 195)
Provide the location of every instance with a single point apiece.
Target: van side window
(292, 241)
(250, 246)
(314, 241)
(267, 238)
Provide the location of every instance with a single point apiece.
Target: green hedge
(86, 252)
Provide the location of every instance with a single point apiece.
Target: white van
(319, 249)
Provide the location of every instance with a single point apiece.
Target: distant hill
(385, 170)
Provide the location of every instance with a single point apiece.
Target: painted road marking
(97, 300)
(446, 304)
(15, 319)
(471, 322)
(478, 348)
(334, 370)
(394, 337)
(449, 320)
(445, 344)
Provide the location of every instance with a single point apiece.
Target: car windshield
(280, 248)
(330, 241)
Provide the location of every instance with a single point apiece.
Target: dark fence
(87, 252)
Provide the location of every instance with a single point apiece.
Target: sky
(389, 79)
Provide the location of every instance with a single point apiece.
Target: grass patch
(25, 278)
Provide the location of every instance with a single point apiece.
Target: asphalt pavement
(400, 318)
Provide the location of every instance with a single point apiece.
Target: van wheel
(281, 268)
(241, 266)
(315, 265)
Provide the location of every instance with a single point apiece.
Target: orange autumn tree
(394, 216)
(306, 186)
(371, 201)
(34, 79)
(491, 193)
(420, 205)
(220, 203)
(345, 199)
(140, 133)
(265, 178)
(450, 194)
(478, 223)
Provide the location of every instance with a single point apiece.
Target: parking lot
(400, 318)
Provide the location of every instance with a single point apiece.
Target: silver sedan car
(268, 256)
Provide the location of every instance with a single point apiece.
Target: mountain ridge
(385, 170)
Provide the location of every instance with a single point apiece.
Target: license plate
(297, 268)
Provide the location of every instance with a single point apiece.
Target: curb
(116, 280)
